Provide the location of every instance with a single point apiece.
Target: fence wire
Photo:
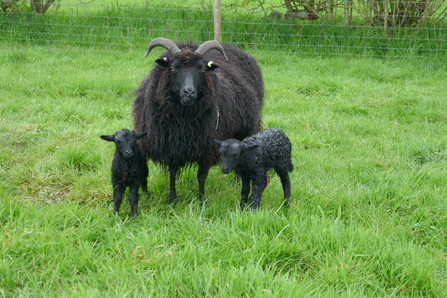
(261, 30)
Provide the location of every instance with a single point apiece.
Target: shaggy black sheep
(129, 169)
(192, 96)
(253, 157)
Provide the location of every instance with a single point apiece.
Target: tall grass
(129, 26)
(368, 214)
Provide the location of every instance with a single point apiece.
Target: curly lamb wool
(129, 168)
(252, 157)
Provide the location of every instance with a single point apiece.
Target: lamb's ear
(139, 135)
(164, 61)
(249, 147)
(217, 142)
(108, 138)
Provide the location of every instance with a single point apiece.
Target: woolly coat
(129, 171)
(273, 152)
(228, 107)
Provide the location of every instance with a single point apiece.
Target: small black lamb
(253, 157)
(128, 168)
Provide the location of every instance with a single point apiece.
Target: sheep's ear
(108, 138)
(162, 61)
(211, 65)
(217, 142)
(140, 135)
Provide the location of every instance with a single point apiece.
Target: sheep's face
(125, 141)
(187, 72)
(230, 151)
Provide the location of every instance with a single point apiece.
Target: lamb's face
(125, 141)
(230, 151)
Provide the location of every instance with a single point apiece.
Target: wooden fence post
(217, 21)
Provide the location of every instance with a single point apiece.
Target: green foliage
(8, 6)
(385, 14)
(20, 6)
(368, 213)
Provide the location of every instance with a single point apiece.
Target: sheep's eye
(203, 70)
(172, 68)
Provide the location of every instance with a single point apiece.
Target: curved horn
(210, 45)
(165, 43)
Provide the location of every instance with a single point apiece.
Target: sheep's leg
(285, 181)
(245, 192)
(118, 192)
(144, 178)
(172, 190)
(259, 184)
(202, 173)
(144, 184)
(133, 199)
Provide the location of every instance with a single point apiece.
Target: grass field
(368, 214)
(127, 27)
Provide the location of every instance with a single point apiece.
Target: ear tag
(210, 64)
(165, 59)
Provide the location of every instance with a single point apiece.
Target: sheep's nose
(189, 91)
(225, 169)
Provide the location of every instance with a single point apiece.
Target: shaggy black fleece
(229, 106)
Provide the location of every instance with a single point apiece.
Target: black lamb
(192, 96)
(253, 157)
(129, 168)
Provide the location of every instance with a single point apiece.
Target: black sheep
(253, 157)
(192, 96)
(129, 169)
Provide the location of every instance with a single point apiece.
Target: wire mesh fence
(362, 28)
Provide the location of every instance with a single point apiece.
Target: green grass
(126, 27)
(368, 214)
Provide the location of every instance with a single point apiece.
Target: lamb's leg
(285, 181)
(259, 184)
(133, 198)
(245, 192)
(118, 192)
(172, 191)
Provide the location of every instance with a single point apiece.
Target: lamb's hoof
(203, 201)
(254, 206)
(172, 200)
